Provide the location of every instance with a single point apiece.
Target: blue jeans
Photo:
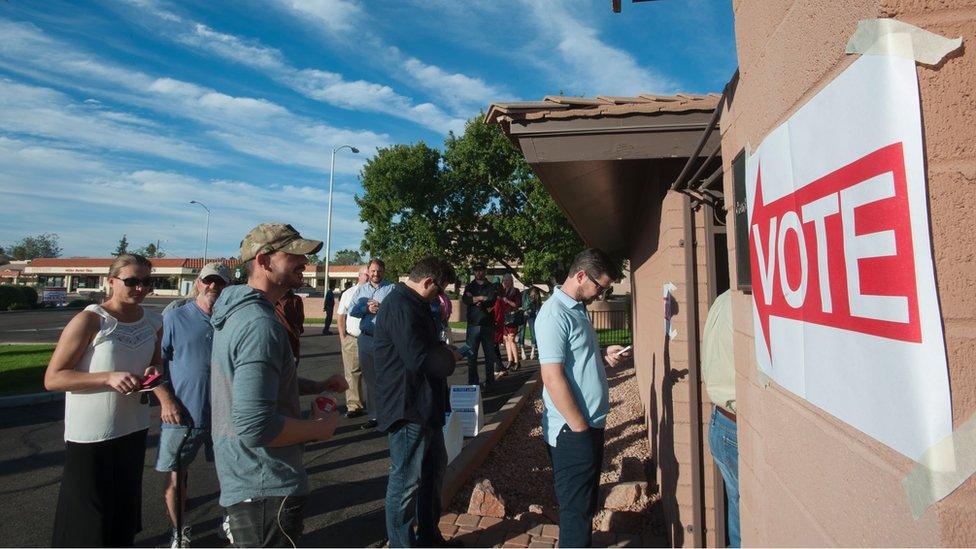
(724, 444)
(413, 494)
(485, 336)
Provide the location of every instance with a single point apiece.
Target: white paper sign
(466, 405)
(845, 305)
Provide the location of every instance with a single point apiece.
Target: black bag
(515, 317)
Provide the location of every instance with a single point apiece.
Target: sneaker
(223, 531)
(353, 414)
(371, 424)
(179, 540)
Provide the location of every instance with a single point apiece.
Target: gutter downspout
(697, 526)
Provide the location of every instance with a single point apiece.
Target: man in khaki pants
(348, 332)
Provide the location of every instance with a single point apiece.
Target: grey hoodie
(254, 387)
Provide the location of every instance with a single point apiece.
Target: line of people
(230, 360)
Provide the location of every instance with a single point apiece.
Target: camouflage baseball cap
(276, 237)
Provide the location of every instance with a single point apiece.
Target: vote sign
(845, 305)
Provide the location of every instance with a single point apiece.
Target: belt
(726, 413)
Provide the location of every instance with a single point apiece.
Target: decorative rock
(545, 511)
(622, 496)
(485, 501)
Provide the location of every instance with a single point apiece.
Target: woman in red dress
(507, 308)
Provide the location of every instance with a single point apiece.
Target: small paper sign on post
(466, 405)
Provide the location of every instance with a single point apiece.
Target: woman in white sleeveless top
(100, 361)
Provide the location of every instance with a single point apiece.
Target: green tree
(34, 246)
(150, 250)
(478, 201)
(347, 257)
(313, 259)
(123, 247)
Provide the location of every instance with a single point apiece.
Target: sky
(115, 114)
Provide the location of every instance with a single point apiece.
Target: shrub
(80, 303)
(24, 297)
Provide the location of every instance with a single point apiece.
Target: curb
(27, 400)
(474, 453)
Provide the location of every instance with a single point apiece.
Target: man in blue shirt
(365, 304)
(185, 402)
(575, 391)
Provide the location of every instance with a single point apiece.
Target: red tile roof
(562, 107)
(184, 262)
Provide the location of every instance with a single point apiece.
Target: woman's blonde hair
(124, 261)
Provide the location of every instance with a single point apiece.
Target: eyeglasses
(132, 282)
(600, 288)
(215, 280)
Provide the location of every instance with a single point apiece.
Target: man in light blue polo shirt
(576, 395)
(365, 304)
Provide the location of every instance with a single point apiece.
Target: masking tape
(942, 468)
(893, 37)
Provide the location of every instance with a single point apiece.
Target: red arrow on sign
(838, 252)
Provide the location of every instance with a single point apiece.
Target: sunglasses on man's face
(600, 288)
(132, 282)
(215, 280)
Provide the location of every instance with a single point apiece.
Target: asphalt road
(45, 325)
(347, 474)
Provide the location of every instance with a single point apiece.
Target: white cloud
(463, 93)
(336, 16)
(43, 112)
(90, 204)
(253, 126)
(594, 66)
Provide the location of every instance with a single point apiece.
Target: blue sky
(115, 114)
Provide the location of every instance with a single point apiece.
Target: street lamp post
(206, 239)
(328, 230)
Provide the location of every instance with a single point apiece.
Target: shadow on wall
(666, 516)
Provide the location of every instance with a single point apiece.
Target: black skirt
(100, 504)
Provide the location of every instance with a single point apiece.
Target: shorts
(169, 443)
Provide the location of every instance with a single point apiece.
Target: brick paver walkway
(475, 531)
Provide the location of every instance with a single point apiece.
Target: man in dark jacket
(479, 295)
(412, 365)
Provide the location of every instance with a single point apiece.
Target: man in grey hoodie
(257, 425)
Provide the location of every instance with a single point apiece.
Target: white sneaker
(223, 531)
(179, 540)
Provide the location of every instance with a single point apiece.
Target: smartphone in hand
(151, 381)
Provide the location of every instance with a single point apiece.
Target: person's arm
(74, 341)
(466, 296)
(418, 352)
(490, 297)
(341, 322)
(255, 394)
(360, 308)
(554, 379)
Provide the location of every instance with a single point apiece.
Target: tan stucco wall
(806, 478)
(657, 257)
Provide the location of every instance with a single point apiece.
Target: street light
(328, 231)
(206, 239)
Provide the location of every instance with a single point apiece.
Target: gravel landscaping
(519, 468)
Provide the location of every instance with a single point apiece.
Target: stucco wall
(657, 257)
(805, 477)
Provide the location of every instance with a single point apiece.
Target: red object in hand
(150, 380)
(325, 404)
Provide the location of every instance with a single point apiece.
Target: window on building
(165, 282)
(55, 281)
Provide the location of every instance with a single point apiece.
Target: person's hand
(613, 358)
(335, 384)
(373, 306)
(169, 411)
(582, 427)
(329, 421)
(124, 382)
(454, 351)
(478, 298)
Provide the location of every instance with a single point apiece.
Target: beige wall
(657, 257)
(805, 477)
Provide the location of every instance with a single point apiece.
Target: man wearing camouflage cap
(257, 425)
